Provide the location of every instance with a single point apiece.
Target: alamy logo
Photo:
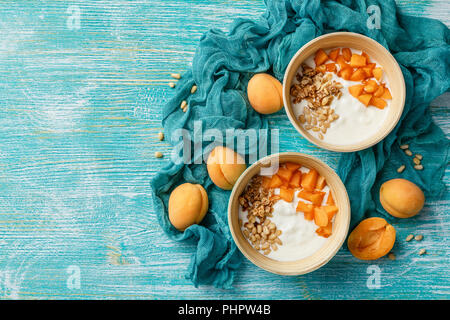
(374, 280)
(73, 20)
(74, 279)
(374, 20)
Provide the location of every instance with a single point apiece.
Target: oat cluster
(319, 91)
(259, 229)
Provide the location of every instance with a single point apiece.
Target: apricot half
(265, 93)
(401, 198)
(188, 204)
(224, 167)
(373, 238)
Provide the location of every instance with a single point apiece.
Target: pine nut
(408, 152)
(391, 256)
(419, 156)
(193, 89)
(172, 84)
(175, 75)
(409, 237)
(416, 161)
(404, 146)
(418, 237)
(267, 251)
(160, 136)
(401, 168)
(418, 167)
(422, 251)
(183, 104)
(158, 154)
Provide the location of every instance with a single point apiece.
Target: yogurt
(356, 122)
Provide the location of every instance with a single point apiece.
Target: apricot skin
(373, 238)
(265, 93)
(188, 204)
(401, 198)
(224, 167)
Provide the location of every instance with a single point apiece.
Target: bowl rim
(338, 242)
(365, 143)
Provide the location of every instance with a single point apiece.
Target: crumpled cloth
(221, 68)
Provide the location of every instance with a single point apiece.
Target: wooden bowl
(373, 49)
(340, 224)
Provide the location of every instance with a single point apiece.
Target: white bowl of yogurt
(346, 124)
(289, 238)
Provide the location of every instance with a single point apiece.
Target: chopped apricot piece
(377, 73)
(386, 94)
(365, 99)
(357, 61)
(358, 75)
(284, 174)
(330, 200)
(346, 73)
(266, 182)
(309, 181)
(371, 86)
(331, 67)
(325, 231)
(305, 208)
(295, 180)
(292, 166)
(365, 55)
(370, 65)
(379, 92)
(322, 68)
(342, 63)
(321, 183)
(346, 54)
(368, 72)
(287, 194)
(321, 57)
(275, 182)
(315, 197)
(320, 217)
(378, 102)
(356, 90)
(334, 54)
(331, 211)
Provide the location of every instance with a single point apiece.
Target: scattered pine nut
(391, 256)
(404, 146)
(193, 89)
(418, 237)
(409, 237)
(401, 168)
(160, 136)
(172, 84)
(185, 109)
(408, 152)
(422, 251)
(175, 75)
(418, 167)
(419, 156)
(183, 104)
(158, 154)
(416, 161)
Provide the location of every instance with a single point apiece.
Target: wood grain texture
(81, 109)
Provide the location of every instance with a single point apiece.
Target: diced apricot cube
(358, 75)
(275, 182)
(322, 68)
(365, 55)
(321, 183)
(356, 90)
(346, 73)
(378, 102)
(284, 174)
(292, 166)
(342, 63)
(368, 72)
(371, 86)
(365, 99)
(331, 211)
(330, 200)
(266, 182)
(386, 94)
(287, 194)
(370, 65)
(331, 67)
(320, 217)
(321, 57)
(325, 231)
(377, 73)
(309, 181)
(379, 92)
(334, 54)
(315, 197)
(295, 180)
(306, 208)
(357, 61)
(346, 54)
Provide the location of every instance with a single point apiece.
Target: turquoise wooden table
(81, 91)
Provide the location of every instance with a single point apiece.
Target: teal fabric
(221, 68)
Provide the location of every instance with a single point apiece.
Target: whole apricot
(371, 239)
(224, 167)
(265, 93)
(401, 198)
(188, 204)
